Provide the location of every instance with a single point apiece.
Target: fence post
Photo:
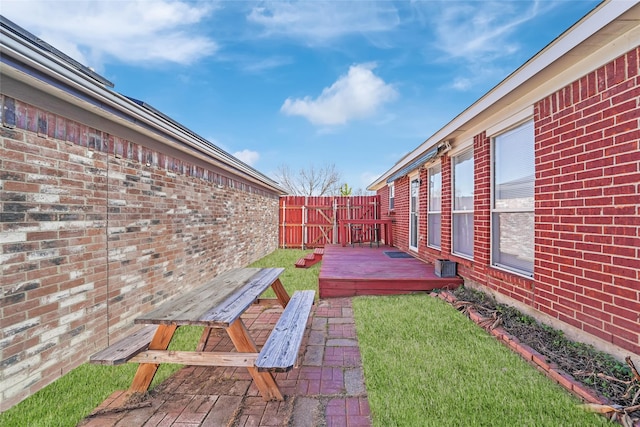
(334, 239)
(284, 222)
(304, 222)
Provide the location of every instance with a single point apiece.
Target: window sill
(517, 273)
(462, 256)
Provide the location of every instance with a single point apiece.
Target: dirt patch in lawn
(599, 371)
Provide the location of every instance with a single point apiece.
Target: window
(414, 212)
(435, 206)
(512, 213)
(392, 196)
(463, 204)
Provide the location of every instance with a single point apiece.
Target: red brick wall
(95, 230)
(401, 215)
(384, 202)
(424, 251)
(587, 267)
(587, 212)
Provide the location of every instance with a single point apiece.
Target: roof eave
(57, 68)
(603, 14)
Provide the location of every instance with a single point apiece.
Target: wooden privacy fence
(312, 221)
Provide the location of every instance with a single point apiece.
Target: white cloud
(366, 178)
(356, 95)
(247, 156)
(481, 30)
(318, 22)
(462, 83)
(132, 31)
(261, 65)
(479, 33)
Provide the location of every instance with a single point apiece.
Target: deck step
(310, 259)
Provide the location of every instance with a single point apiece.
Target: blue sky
(357, 84)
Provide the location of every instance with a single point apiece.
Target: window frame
(455, 211)
(430, 211)
(392, 196)
(493, 210)
(414, 227)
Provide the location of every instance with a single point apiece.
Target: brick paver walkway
(327, 389)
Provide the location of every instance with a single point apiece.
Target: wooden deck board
(350, 271)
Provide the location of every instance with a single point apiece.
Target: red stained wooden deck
(349, 271)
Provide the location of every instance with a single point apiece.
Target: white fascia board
(591, 24)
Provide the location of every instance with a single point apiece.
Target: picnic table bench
(218, 304)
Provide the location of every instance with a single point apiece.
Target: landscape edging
(532, 356)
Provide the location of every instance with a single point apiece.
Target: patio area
(366, 270)
(327, 388)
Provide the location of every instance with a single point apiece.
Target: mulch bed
(598, 371)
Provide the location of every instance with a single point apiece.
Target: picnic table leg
(244, 344)
(146, 371)
(204, 339)
(281, 293)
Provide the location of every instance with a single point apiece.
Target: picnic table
(218, 305)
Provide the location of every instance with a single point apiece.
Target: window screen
(512, 219)
(435, 206)
(463, 190)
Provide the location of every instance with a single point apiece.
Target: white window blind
(462, 212)
(435, 206)
(512, 215)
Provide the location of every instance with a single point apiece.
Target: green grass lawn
(424, 363)
(72, 397)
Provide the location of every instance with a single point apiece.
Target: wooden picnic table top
(216, 304)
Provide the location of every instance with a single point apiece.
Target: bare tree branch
(310, 181)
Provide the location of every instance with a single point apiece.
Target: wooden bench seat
(125, 349)
(280, 352)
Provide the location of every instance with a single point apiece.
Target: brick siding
(587, 267)
(95, 230)
(587, 209)
(401, 213)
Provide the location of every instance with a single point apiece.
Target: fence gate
(312, 221)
